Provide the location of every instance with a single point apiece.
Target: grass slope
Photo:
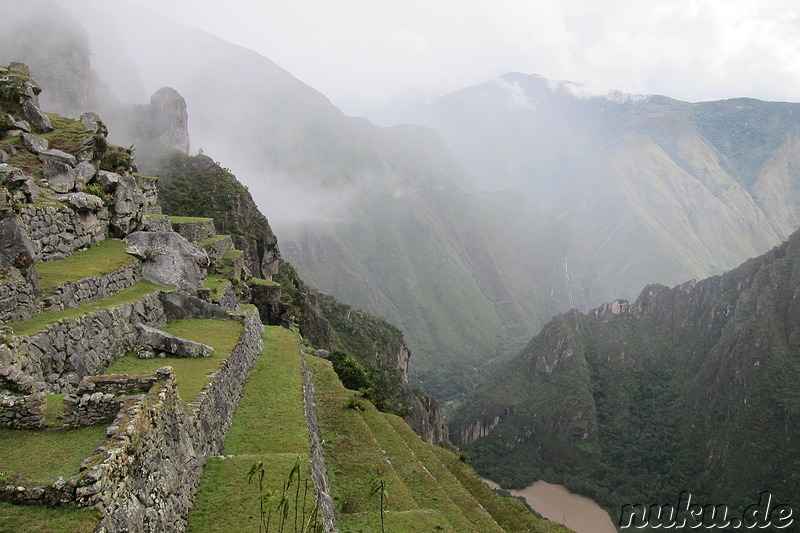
(269, 425)
(424, 493)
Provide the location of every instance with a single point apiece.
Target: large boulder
(169, 259)
(159, 343)
(59, 170)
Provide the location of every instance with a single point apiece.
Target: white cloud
(362, 53)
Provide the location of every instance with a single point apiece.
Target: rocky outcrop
(169, 259)
(167, 120)
(22, 94)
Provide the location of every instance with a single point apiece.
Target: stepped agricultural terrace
(127, 355)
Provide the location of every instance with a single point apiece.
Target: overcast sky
(362, 53)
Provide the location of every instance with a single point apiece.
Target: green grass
(352, 453)
(43, 519)
(269, 425)
(187, 220)
(216, 284)
(67, 134)
(191, 372)
(213, 239)
(104, 258)
(224, 267)
(54, 410)
(270, 416)
(263, 282)
(42, 456)
(24, 160)
(129, 295)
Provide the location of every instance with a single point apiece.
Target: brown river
(556, 503)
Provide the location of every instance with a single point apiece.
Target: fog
(363, 54)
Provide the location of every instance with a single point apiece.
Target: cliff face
(688, 388)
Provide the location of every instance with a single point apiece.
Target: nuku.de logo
(688, 514)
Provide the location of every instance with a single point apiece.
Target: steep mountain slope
(687, 389)
(661, 190)
(382, 218)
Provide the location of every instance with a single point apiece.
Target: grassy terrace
(216, 284)
(211, 240)
(429, 488)
(43, 519)
(191, 373)
(269, 425)
(186, 220)
(104, 258)
(129, 295)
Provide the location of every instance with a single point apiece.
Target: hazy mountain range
(528, 199)
(692, 388)
(661, 190)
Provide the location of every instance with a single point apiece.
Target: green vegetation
(262, 282)
(24, 160)
(269, 426)
(186, 220)
(191, 372)
(41, 456)
(129, 295)
(117, 159)
(67, 134)
(103, 258)
(55, 410)
(216, 284)
(694, 391)
(197, 186)
(368, 452)
(224, 266)
(213, 239)
(43, 519)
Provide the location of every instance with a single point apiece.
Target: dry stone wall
(93, 288)
(22, 412)
(66, 351)
(56, 230)
(18, 300)
(319, 472)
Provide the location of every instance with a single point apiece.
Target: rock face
(644, 389)
(168, 120)
(169, 259)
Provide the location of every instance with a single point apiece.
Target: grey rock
(12, 176)
(108, 181)
(170, 344)
(22, 126)
(41, 122)
(91, 123)
(19, 67)
(58, 169)
(81, 201)
(35, 144)
(84, 171)
(58, 155)
(31, 190)
(172, 260)
(4, 156)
